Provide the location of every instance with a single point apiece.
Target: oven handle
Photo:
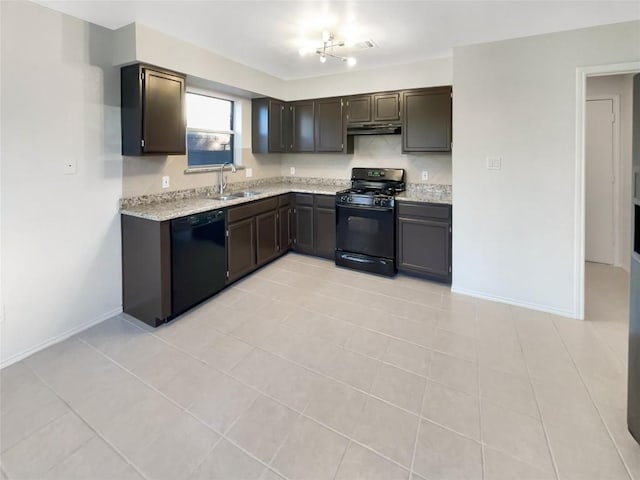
(370, 209)
(360, 260)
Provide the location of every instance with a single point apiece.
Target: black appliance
(365, 220)
(374, 129)
(633, 390)
(198, 259)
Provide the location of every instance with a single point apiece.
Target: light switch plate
(165, 182)
(292, 171)
(494, 163)
(248, 172)
(425, 175)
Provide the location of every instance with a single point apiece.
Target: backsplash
(382, 151)
(142, 176)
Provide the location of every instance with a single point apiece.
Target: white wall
(621, 85)
(60, 233)
(513, 237)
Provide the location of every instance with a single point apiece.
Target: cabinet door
(241, 254)
(164, 126)
(284, 226)
(330, 131)
(427, 120)
(424, 246)
(325, 232)
(266, 236)
(276, 126)
(386, 107)
(303, 126)
(304, 229)
(359, 109)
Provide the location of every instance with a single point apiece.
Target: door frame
(579, 202)
(617, 177)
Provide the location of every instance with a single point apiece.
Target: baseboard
(59, 338)
(516, 303)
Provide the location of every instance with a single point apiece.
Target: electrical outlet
(494, 163)
(69, 167)
(425, 175)
(292, 171)
(165, 182)
(248, 172)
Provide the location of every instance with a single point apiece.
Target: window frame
(232, 132)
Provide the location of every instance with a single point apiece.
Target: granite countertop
(168, 210)
(176, 204)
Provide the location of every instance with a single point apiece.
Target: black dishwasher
(198, 259)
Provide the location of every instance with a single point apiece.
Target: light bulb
(323, 58)
(351, 61)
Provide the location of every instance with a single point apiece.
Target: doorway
(603, 174)
(582, 75)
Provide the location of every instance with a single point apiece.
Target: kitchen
(75, 272)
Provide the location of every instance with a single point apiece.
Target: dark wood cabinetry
(331, 134)
(269, 125)
(285, 223)
(424, 239)
(325, 225)
(315, 224)
(426, 125)
(241, 248)
(302, 116)
(303, 212)
(374, 108)
(152, 111)
(146, 269)
(255, 232)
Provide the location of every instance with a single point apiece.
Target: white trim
(517, 303)
(578, 231)
(617, 176)
(59, 338)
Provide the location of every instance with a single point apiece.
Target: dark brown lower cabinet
(424, 239)
(241, 248)
(255, 234)
(325, 225)
(315, 224)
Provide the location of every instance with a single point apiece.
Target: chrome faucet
(223, 184)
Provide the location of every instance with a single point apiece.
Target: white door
(599, 214)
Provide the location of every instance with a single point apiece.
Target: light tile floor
(307, 371)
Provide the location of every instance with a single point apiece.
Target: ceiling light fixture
(329, 42)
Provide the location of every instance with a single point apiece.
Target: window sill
(209, 169)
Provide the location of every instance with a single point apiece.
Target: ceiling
(266, 35)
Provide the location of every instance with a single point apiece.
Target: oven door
(364, 230)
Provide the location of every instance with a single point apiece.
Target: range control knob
(349, 199)
(383, 202)
(376, 201)
(343, 198)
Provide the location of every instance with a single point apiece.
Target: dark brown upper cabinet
(426, 122)
(269, 125)
(331, 134)
(152, 111)
(374, 108)
(302, 115)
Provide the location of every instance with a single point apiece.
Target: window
(209, 130)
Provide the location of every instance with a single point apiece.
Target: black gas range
(365, 220)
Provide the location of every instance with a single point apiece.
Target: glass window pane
(208, 113)
(209, 148)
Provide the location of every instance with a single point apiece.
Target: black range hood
(374, 129)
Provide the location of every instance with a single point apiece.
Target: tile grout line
(418, 428)
(176, 404)
(98, 434)
(595, 405)
(554, 462)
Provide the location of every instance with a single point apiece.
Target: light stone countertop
(425, 197)
(182, 207)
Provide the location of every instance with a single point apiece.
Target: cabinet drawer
(424, 210)
(304, 199)
(284, 200)
(325, 201)
(252, 209)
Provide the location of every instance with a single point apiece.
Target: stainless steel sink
(233, 196)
